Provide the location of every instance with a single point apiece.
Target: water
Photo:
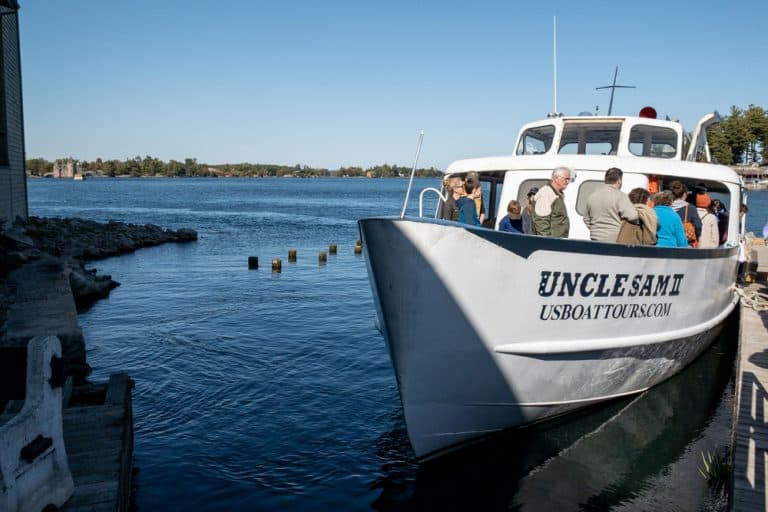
(275, 391)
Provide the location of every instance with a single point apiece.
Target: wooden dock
(98, 435)
(750, 434)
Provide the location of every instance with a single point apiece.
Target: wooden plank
(77, 436)
(93, 495)
(98, 477)
(90, 449)
(99, 442)
(118, 390)
(750, 436)
(92, 410)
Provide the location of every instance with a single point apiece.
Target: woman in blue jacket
(670, 232)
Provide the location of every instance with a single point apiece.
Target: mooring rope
(752, 298)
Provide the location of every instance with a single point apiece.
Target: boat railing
(421, 200)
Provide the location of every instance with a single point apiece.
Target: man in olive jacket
(550, 217)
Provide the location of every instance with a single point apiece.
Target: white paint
(29, 487)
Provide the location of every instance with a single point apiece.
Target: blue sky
(331, 84)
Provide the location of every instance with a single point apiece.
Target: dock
(750, 433)
(99, 442)
(75, 436)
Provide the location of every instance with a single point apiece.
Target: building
(13, 180)
(67, 168)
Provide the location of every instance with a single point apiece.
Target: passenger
(722, 219)
(466, 203)
(479, 205)
(512, 221)
(528, 212)
(710, 236)
(685, 210)
(643, 233)
(670, 232)
(455, 189)
(550, 217)
(742, 256)
(607, 206)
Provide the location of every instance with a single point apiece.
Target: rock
(88, 287)
(186, 235)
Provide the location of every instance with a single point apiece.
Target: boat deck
(750, 444)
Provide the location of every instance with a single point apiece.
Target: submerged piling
(332, 249)
(322, 257)
(291, 255)
(253, 262)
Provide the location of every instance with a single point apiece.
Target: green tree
(756, 122)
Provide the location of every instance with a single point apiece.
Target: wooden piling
(358, 249)
(277, 265)
(291, 255)
(322, 257)
(253, 262)
(332, 249)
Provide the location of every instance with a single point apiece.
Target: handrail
(421, 198)
(413, 171)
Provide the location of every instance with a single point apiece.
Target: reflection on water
(622, 455)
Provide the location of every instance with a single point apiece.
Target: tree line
(740, 139)
(190, 167)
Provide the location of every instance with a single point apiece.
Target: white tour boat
(489, 330)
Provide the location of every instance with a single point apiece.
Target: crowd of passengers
(668, 218)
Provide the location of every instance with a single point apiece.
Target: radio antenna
(613, 88)
(554, 64)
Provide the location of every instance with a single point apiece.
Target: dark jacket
(680, 207)
(467, 211)
(550, 216)
(511, 225)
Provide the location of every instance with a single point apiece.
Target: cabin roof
(643, 165)
(624, 148)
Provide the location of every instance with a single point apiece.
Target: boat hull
(490, 330)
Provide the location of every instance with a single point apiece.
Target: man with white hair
(550, 217)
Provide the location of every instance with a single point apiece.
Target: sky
(331, 84)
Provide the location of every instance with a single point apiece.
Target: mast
(613, 88)
(554, 63)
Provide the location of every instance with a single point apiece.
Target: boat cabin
(650, 152)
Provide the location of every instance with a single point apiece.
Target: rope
(752, 298)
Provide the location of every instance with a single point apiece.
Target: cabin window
(522, 192)
(585, 190)
(536, 141)
(653, 141)
(590, 139)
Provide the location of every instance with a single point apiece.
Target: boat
(756, 184)
(489, 330)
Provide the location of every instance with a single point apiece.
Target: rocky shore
(69, 244)
(76, 241)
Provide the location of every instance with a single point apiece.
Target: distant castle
(68, 168)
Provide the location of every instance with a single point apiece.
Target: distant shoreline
(126, 176)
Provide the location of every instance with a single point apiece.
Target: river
(257, 390)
